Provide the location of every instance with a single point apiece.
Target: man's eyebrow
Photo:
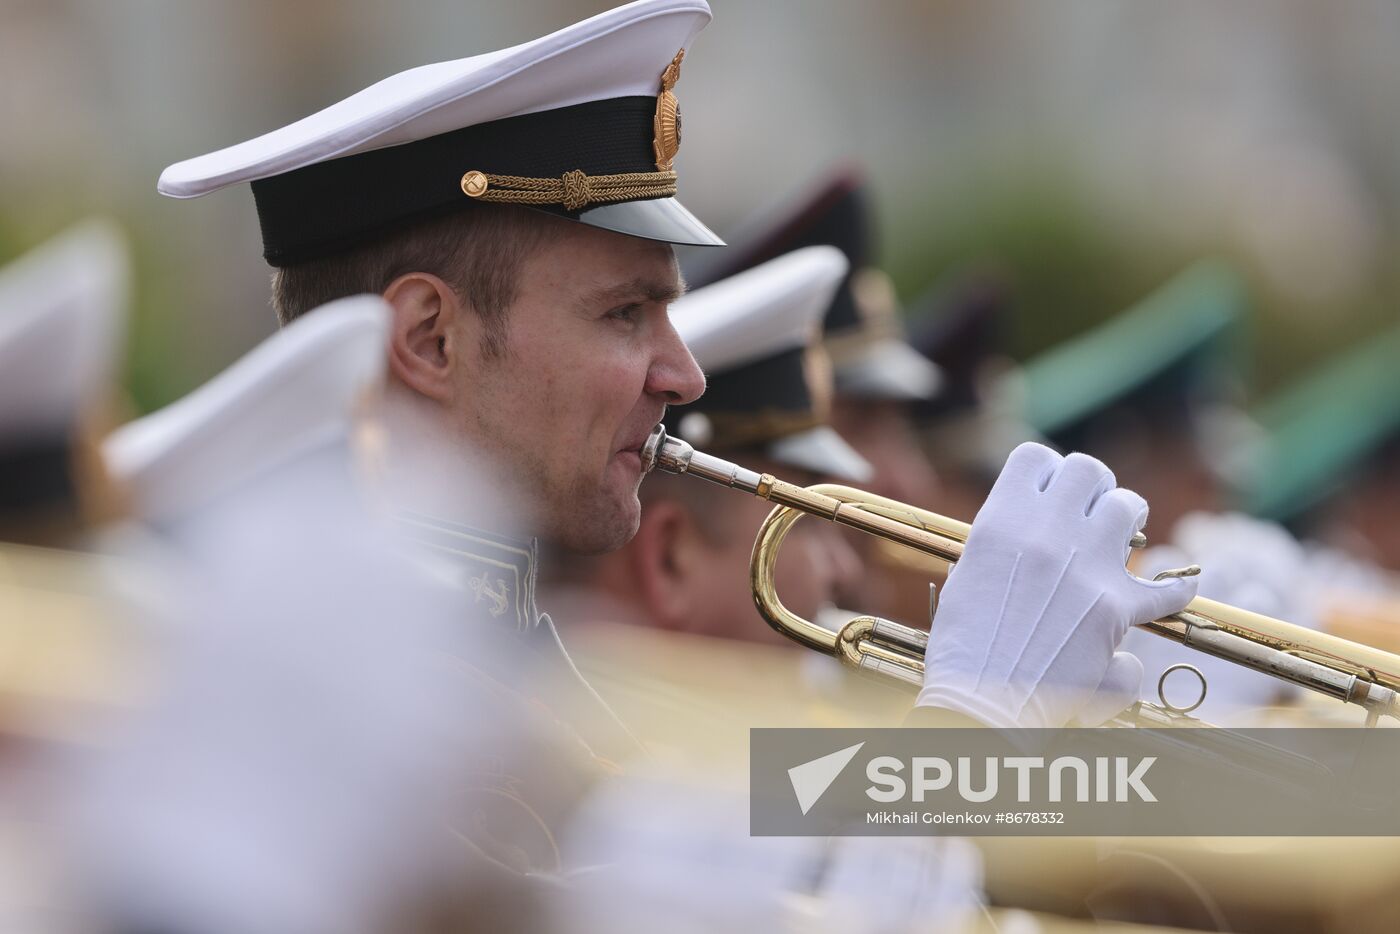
(638, 290)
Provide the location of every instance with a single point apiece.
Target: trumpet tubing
(1347, 671)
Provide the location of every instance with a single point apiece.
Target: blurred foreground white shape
(675, 855)
(297, 766)
(291, 396)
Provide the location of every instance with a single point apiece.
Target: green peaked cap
(1185, 319)
(1325, 423)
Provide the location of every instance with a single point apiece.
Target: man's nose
(674, 374)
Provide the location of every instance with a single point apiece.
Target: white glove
(1120, 688)
(1033, 612)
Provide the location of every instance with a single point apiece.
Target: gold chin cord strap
(572, 190)
(576, 190)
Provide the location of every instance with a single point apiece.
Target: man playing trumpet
(530, 289)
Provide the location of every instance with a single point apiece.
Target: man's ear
(425, 337)
(662, 563)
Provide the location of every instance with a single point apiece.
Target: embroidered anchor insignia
(481, 586)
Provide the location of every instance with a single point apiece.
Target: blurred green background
(1090, 149)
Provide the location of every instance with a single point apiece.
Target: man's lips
(631, 461)
(634, 443)
(631, 455)
(631, 451)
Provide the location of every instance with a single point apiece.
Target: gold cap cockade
(667, 123)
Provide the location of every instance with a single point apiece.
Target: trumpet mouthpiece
(661, 450)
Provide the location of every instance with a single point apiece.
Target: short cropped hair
(477, 251)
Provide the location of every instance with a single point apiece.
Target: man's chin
(604, 529)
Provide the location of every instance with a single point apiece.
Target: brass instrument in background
(1346, 671)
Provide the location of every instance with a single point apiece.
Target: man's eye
(628, 313)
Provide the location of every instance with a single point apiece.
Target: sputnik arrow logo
(810, 780)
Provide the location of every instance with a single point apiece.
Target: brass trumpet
(1337, 668)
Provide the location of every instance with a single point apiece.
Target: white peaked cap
(888, 368)
(616, 55)
(62, 321)
(759, 312)
(821, 450)
(619, 53)
(291, 395)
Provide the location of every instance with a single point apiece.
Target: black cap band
(755, 403)
(332, 206)
(37, 474)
